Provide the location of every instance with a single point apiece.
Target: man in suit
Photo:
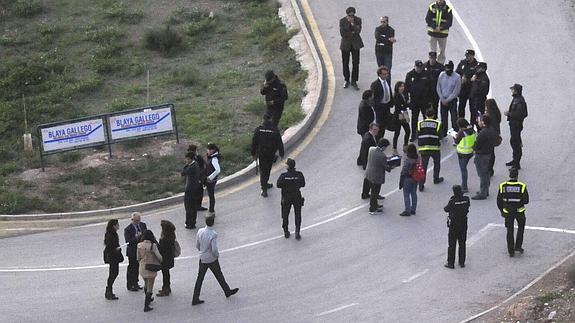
(382, 97)
(369, 140)
(366, 112)
(194, 189)
(132, 234)
(375, 173)
(349, 29)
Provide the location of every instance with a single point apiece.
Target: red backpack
(417, 172)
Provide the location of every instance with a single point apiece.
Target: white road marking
(332, 213)
(527, 227)
(414, 277)
(32, 229)
(480, 234)
(337, 309)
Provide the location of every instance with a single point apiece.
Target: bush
(182, 15)
(256, 106)
(27, 8)
(70, 157)
(9, 168)
(107, 34)
(200, 26)
(90, 176)
(120, 12)
(16, 203)
(165, 41)
(187, 76)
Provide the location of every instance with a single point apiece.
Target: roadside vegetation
(65, 59)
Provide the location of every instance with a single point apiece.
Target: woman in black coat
(112, 255)
(400, 116)
(169, 248)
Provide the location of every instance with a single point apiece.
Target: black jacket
(434, 71)
(275, 92)
(382, 43)
(401, 103)
(290, 183)
(445, 22)
(266, 141)
(479, 87)
(517, 110)
(365, 116)
(466, 69)
(166, 248)
(382, 111)
(111, 252)
(132, 239)
(485, 142)
(419, 85)
(367, 141)
(457, 209)
(350, 34)
(195, 177)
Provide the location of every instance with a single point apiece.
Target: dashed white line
(337, 309)
(527, 227)
(414, 277)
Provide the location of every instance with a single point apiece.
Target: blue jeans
(463, 161)
(385, 59)
(482, 166)
(450, 108)
(410, 191)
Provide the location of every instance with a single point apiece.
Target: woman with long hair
(112, 255)
(465, 139)
(169, 248)
(400, 115)
(407, 183)
(492, 110)
(212, 171)
(149, 256)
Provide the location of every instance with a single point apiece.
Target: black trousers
(405, 127)
(286, 208)
(211, 188)
(132, 272)
(275, 111)
(165, 278)
(515, 141)
(436, 156)
(216, 270)
(366, 188)
(509, 224)
(455, 236)
(463, 97)
(355, 64)
(266, 163)
(416, 109)
(375, 189)
(113, 273)
(191, 204)
(476, 107)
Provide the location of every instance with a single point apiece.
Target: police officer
(418, 84)
(428, 133)
(434, 68)
(478, 92)
(458, 207)
(465, 68)
(511, 201)
(290, 183)
(439, 19)
(265, 142)
(194, 189)
(276, 94)
(515, 115)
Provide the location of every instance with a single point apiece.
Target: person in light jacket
(375, 173)
(448, 88)
(148, 253)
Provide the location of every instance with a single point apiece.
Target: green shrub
(70, 157)
(107, 51)
(90, 176)
(292, 114)
(107, 34)
(122, 103)
(27, 8)
(166, 41)
(119, 11)
(278, 40)
(182, 15)
(9, 168)
(264, 26)
(256, 106)
(16, 203)
(200, 26)
(187, 76)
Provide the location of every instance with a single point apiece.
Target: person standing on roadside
(439, 19)
(112, 256)
(212, 170)
(515, 115)
(207, 244)
(483, 149)
(434, 68)
(465, 140)
(401, 115)
(448, 87)
(511, 200)
(418, 85)
(466, 69)
(369, 140)
(202, 164)
(478, 92)
(149, 256)
(290, 183)
(382, 98)
(375, 173)
(429, 134)
(407, 183)
(193, 190)
(384, 40)
(492, 111)
(366, 112)
(132, 233)
(351, 43)
(265, 142)
(276, 94)
(169, 249)
(458, 208)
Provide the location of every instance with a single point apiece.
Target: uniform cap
(290, 163)
(470, 52)
(418, 63)
(517, 87)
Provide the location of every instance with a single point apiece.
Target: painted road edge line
(414, 277)
(337, 309)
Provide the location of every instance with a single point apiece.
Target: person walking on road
(384, 40)
(465, 140)
(408, 183)
(466, 69)
(478, 92)
(132, 233)
(511, 200)
(492, 111)
(150, 263)
(366, 113)
(290, 183)
(276, 94)
(207, 244)
(212, 170)
(169, 249)
(418, 85)
(383, 98)
(351, 43)
(428, 134)
(194, 189)
(112, 256)
(439, 19)
(483, 149)
(434, 68)
(375, 173)
(266, 141)
(515, 115)
(401, 115)
(448, 88)
(457, 208)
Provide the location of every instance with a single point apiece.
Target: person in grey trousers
(375, 173)
(407, 183)
(483, 149)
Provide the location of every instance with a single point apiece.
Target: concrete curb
(291, 137)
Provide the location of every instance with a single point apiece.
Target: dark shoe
(264, 193)
(140, 287)
(134, 289)
(297, 236)
(364, 197)
(147, 302)
(449, 266)
(286, 234)
(269, 185)
(462, 265)
(190, 227)
(346, 85)
(491, 172)
(376, 211)
(109, 294)
(437, 180)
(232, 292)
(512, 254)
(520, 250)
(379, 197)
(404, 213)
(354, 84)
(412, 212)
(197, 302)
(511, 163)
(479, 197)
(421, 187)
(163, 292)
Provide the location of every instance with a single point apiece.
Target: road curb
(291, 137)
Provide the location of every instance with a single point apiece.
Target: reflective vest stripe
(511, 200)
(438, 19)
(465, 146)
(519, 210)
(428, 148)
(429, 136)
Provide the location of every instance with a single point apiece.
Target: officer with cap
(515, 115)
(290, 183)
(466, 68)
(428, 134)
(511, 201)
(478, 92)
(265, 142)
(458, 207)
(418, 84)
(434, 68)
(276, 94)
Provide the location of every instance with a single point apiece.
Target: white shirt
(386, 91)
(217, 169)
(207, 244)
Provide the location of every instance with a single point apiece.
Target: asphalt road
(350, 266)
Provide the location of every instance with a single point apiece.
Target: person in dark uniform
(112, 256)
(515, 115)
(466, 69)
(194, 189)
(384, 40)
(383, 99)
(439, 19)
(265, 142)
(434, 68)
(418, 84)
(290, 183)
(458, 207)
(366, 113)
(478, 92)
(428, 134)
(132, 233)
(276, 95)
(511, 200)
(202, 163)
(351, 43)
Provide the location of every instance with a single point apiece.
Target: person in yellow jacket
(439, 19)
(465, 139)
(511, 201)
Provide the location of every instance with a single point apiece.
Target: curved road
(350, 266)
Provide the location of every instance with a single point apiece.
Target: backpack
(417, 172)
